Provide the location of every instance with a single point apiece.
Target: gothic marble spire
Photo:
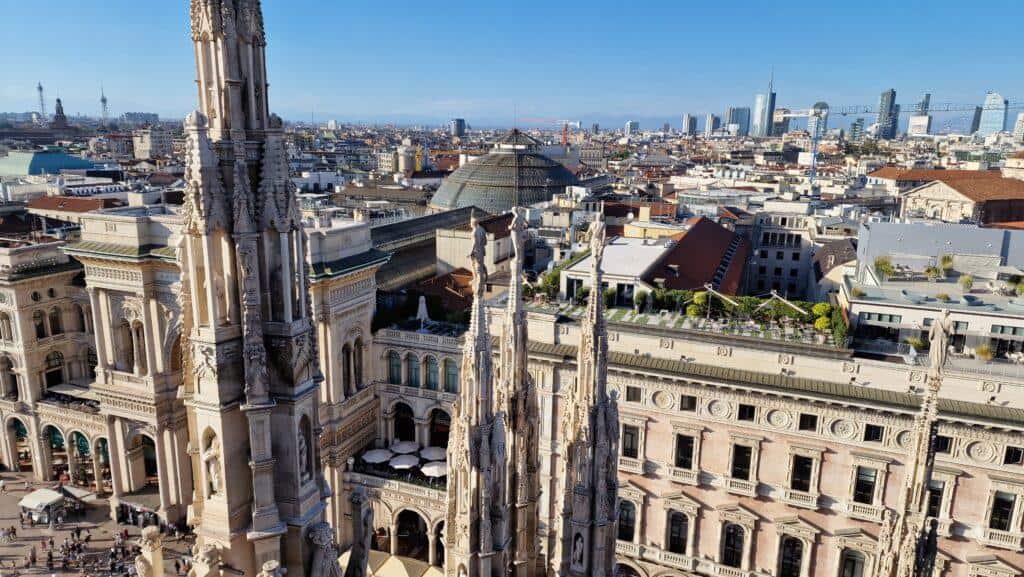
(476, 524)
(522, 407)
(591, 432)
(251, 393)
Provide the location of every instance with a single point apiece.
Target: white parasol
(404, 462)
(434, 453)
(405, 447)
(377, 456)
(435, 469)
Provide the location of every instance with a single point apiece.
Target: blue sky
(488, 61)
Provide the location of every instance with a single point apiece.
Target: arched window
(125, 347)
(357, 363)
(732, 545)
(451, 376)
(91, 361)
(432, 373)
(394, 368)
(83, 322)
(8, 380)
(678, 528)
(346, 368)
(6, 328)
(56, 326)
(54, 369)
(627, 521)
(440, 426)
(39, 322)
(851, 564)
(405, 423)
(791, 553)
(412, 368)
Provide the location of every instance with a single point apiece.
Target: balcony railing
(627, 548)
(741, 487)
(686, 476)
(801, 499)
(864, 512)
(1003, 539)
(630, 465)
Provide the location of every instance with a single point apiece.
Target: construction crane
(563, 124)
(819, 114)
(104, 110)
(865, 109)
(42, 104)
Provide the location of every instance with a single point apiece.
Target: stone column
(423, 431)
(102, 355)
(432, 548)
(161, 472)
(691, 535)
(138, 335)
(286, 276)
(393, 541)
(152, 557)
(70, 451)
(114, 453)
(151, 341)
(97, 471)
(748, 538)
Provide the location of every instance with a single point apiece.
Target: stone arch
(55, 444)
(56, 321)
(358, 359)
(412, 532)
(635, 567)
(10, 384)
(404, 421)
(39, 324)
(172, 349)
(439, 426)
(19, 439)
(6, 327)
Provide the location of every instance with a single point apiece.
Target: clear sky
(490, 61)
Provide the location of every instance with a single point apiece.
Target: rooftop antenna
(42, 103)
(104, 109)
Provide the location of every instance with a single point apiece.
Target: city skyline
(428, 68)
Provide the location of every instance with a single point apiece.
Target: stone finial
(196, 121)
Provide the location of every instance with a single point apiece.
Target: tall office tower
(888, 115)
(1018, 128)
(457, 127)
(595, 128)
(252, 375)
(711, 124)
(817, 122)
(857, 130)
(994, 114)
(689, 125)
(666, 128)
(764, 110)
(780, 122)
(924, 105)
(632, 127)
(976, 119)
(740, 117)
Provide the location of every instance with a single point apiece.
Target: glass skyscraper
(993, 115)
(888, 115)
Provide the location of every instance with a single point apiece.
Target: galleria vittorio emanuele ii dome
(490, 182)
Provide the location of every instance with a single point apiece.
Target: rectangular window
(793, 272)
(762, 270)
(741, 459)
(1002, 511)
(796, 256)
(874, 433)
(943, 444)
(778, 271)
(779, 255)
(800, 479)
(864, 485)
(935, 489)
(808, 422)
(764, 254)
(746, 412)
(684, 451)
(630, 442)
(633, 394)
(687, 403)
(1013, 455)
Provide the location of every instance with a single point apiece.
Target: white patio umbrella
(435, 469)
(405, 447)
(377, 456)
(434, 453)
(404, 462)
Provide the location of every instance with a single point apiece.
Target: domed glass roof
(489, 182)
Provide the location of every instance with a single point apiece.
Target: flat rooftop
(927, 294)
(627, 257)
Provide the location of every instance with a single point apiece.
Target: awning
(40, 499)
(73, 391)
(78, 493)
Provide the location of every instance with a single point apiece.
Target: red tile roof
(985, 189)
(926, 174)
(72, 203)
(696, 257)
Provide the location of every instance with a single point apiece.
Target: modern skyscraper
(976, 119)
(457, 127)
(711, 124)
(689, 125)
(740, 117)
(924, 105)
(764, 110)
(817, 122)
(252, 370)
(1018, 128)
(857, 130)
(994, 114)
(666, 128)
(595, 128)
(632, 127)
(888, 115)
(780, 122)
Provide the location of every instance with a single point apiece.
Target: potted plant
(942, 297)
(883, 267)
(946, 262)
(915, 342)
(822, 325)
(933, 273)
(966, 282)
(984, 352)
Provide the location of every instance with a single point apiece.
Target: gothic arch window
(394, 368)
(732, 545)
(791, 552)
(627, 521)
(851, 563)
(39, 322)
(56, 325)
(6, 328)
(451, 376)
(412, 368)
(432, 373)
(678, 528)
